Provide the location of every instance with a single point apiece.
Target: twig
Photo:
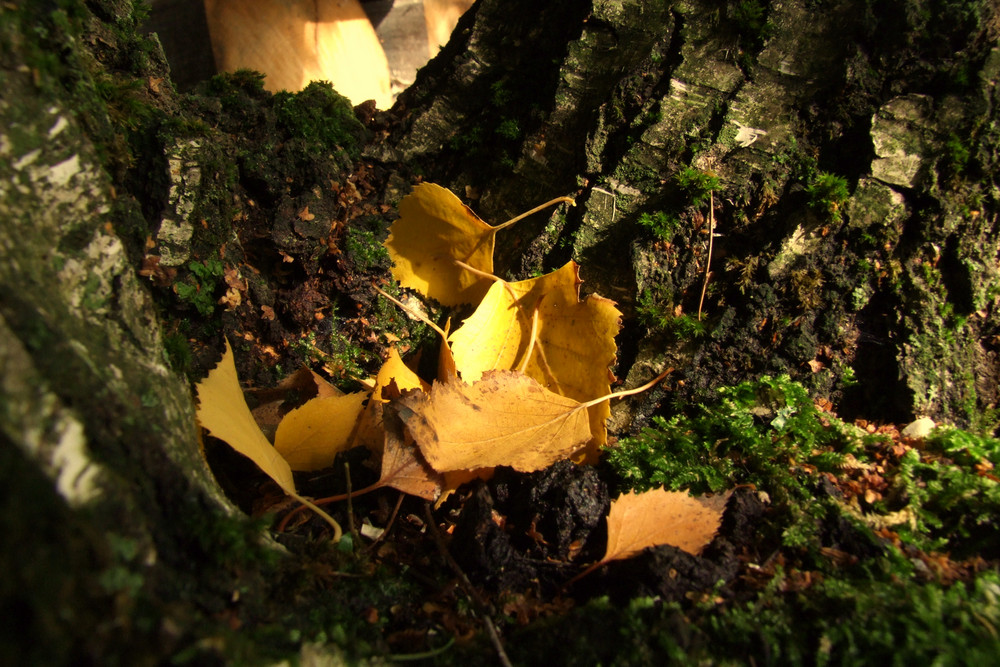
(412, 312)
(481, 606)
(350, 505)
(708, 261)
(388, 526)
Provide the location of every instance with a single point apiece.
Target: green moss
(827, 194)
(508, 129)
(751, 21)
(338, 354)
(656, 313)
(365, 250)
(199, 287)
(749, 437)
(953, 503)
(500, 94)
(768, 434)
(177, 352)
(322, 118)
(837, 621)
(662, 225)
(697, 185)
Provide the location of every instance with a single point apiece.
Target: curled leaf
(223, 412)
(403, 466)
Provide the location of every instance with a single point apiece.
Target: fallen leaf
(504, 419)
(393, 377)
(640, 520)
(574, 345)
(395, 369)
(310, 436)
(272, 404)
(434, 229)
(403, 466)
(223, 412)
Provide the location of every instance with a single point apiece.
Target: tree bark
(851, 152)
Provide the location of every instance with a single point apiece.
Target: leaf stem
(531, 340)
(337, 530)
(542, 360)
(314, 506)
(628, 392)
(557, 200)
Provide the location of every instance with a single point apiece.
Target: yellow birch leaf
(271, 402)
(395, 372)
(574, 346)
(223, 412)
(640, 520)
(394, 368)
(434, 229)
(504, 419)
(311, 436)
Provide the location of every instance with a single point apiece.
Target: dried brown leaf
(640, 520)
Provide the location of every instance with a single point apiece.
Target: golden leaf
(272, 405)
(640, 520)
(394, 369)
(310, 436)
(504, 419)
(573, 348)
(399, 376)
(223, 412)
(434, 229)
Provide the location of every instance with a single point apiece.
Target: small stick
(412, 312)
(708, 261)
(473, 594)
(392, 520)
(350, 505)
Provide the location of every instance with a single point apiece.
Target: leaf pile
(525, 382)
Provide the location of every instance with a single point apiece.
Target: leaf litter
(524, 385)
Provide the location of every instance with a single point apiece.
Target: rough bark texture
(893, 279)
(855, 148)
